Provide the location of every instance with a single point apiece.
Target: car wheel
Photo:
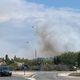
(10, 74)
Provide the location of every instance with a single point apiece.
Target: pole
(35, 54)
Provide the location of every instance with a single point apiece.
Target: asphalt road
(52, 76)
(42, 76)
(11, 78)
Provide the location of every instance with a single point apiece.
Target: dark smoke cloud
(46, 43)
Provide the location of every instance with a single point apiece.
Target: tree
(6, 57)
(78, 59)
(7, 60)
(15, 58)
(56, 60)
(68, 58)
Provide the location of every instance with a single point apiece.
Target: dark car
(4, 71)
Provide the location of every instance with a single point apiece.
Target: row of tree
(61, 62)
(68, 58)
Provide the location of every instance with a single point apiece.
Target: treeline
(70, 59)
(65, 61)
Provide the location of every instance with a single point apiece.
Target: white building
(2, 62)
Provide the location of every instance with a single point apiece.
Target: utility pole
(35, 53)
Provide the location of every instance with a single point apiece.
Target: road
(11, 78)
(53, 76)
(42, 76)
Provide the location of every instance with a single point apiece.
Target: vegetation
(65, 61)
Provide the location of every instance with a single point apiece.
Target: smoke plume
(59, 33)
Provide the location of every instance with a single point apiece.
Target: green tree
(78, 59)
(68, 58)
(56, 60)
(7, 60)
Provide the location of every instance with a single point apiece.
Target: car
(4, 71)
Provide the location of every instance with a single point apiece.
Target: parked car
(4, 71)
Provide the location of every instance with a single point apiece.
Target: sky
(19, 20)
(59, 3)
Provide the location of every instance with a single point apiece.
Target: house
(2, 62)
(22, 66)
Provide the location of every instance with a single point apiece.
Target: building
(2, 62)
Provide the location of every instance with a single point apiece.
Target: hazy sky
(17, 36)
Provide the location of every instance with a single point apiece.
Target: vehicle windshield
(4, 68)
